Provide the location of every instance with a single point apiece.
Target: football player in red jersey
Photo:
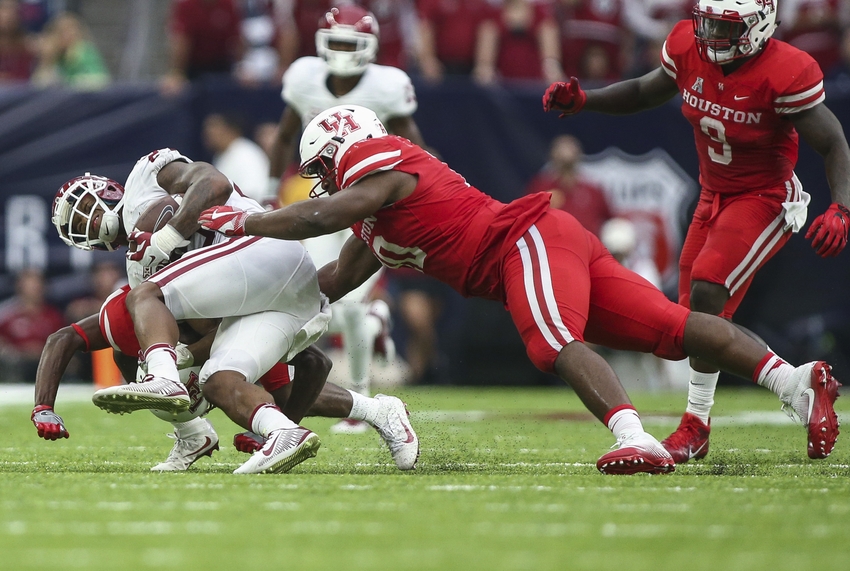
(560, 285)
(749, 98)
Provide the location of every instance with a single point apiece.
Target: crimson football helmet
(726, 30)
(70, 206)
(350, 25)
(329, 135)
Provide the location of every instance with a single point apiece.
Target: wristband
(168, 238)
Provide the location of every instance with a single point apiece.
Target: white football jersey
(142, 189)
(385, 90)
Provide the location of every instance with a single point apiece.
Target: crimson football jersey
(744, 137)
(446, 228)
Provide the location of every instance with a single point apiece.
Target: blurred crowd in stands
(47, 43)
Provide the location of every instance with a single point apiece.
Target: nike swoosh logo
(693, 453)
(811, 394)
(409, 434)
(207, 442)
(736, 98)
(215, 215)
(269, 450)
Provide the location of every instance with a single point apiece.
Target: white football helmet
(70, 205)
(329, 135)
(351, 25)
(730, 29)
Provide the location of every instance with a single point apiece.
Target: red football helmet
(71, 205)
(354, 27)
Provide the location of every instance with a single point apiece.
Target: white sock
(161, 360)
(363, 408)
(701, 388)
(191, 427)
(774, 374)
(267, 417)
(624, 423)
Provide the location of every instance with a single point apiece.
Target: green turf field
(506, 480)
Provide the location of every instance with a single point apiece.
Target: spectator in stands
(397, 22)
(261, 35)
(814, 26)
(299, 20)
(242, 160)
(16, 57)
(570, 192)
(26, 320)
(651, 21)
(205, 39)
(522, 44)
(596, 45)
(841, 70)
(68, 56)
(449, 33)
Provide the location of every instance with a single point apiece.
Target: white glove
(185, 359)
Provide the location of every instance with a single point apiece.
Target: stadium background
(497, 137)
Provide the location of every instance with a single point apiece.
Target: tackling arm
(355, 265)
(283, 147)
(329, 214)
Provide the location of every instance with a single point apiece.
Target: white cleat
(152, 393)
(189, 448)
(393, 424)
(350, 426)
(283, 450)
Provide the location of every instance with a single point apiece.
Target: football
(158, 213)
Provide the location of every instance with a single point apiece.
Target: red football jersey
(446, 228)
(744, 138)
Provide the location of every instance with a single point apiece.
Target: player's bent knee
(708, 297)
(142, 292)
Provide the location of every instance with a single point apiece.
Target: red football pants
(562, 285)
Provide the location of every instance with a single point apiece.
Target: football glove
(568, 98)
(225, 220)
(248, 442)
(50, 425)
(153, 250)
(828, 232)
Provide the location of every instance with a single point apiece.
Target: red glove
(225, 220)
(569, 98)
(829, 230)
(50, 425)
(248, 442)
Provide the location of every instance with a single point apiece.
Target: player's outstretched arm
(283, 146)
(60, 347)
(621, 98)
(820, 128)
(355, 265)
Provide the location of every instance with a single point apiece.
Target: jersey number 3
(717, 132)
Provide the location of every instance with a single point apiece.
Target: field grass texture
(506, 480)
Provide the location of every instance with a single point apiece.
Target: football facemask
(726, 30)
(78, 203)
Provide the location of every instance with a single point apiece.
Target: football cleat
(384, 344)
(248, 442)
(393, 424)
(689, 441)
(812, 401)
(638, 452)
(152, 393)
(189, 448)
(284, 449)
(350, 426)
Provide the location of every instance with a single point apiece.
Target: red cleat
(813, 401)
(248, 442)
(637, 453)
(689, 441)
